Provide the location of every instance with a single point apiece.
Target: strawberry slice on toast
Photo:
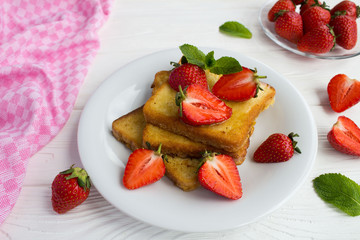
(198, 106)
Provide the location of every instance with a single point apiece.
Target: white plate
(265, 186)
(268, 27)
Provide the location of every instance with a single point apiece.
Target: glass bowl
(268, 28)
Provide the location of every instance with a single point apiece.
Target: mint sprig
(340, 191)
(223, 65)
(235, 29)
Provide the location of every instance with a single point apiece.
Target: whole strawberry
(187, 74)
(345, 28)
(306, 4)
(315, 16)
(277, 148)
(349, 8)
(345, 136)
(70, 188)
(319, 40)
(280, 5)
(289, 25)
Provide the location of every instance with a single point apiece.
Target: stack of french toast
(157, 122)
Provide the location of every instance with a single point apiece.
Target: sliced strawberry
(198, 106)
(239, 86)
(143, 167)
(220, 175)
(345, 136)
(343, 92)
(187, 74)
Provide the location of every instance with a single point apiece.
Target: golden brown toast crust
(128, 129)
(177, 145)
(161, 110)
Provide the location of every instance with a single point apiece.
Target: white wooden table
(140, 27)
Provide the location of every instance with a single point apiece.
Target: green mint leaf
(340, 191)
(193, 55)
(235, 29)
(210, 60)
(226, 65)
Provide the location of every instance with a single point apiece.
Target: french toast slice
(177, 145)
(182, 171)
(161, 111)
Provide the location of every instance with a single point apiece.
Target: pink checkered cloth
(46, 48)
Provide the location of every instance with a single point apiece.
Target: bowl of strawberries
(313, 28)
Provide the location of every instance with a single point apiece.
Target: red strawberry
(187, 74)
(319, 40)
(305, 5)
(347, 7)
(298, 2)
(289, 25)
(144, 167)
(239, 86)
(198, 106)
(345, 136)
(70, 188)
(276, 148)
(280, 5)
(345, 29)
(314, 17)
(343, 92)
(220, 175)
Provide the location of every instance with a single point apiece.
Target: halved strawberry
(220, 175)
(239, 86)
(187, 74)
(343, 92)
(198, 106)
(144, 167)
(345, 136)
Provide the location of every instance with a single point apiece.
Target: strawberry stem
(291, 136)
(83, 178)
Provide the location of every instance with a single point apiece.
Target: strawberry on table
(345, 28)
(343, 92)
(315, 16)
(239, 86)
(219, 174)
(187, 74)
(70, 188)
(198, 106)
(276, 148)
(345, 136)
(144, 167)
(280, 5)
(349, 8)
(289, 25)
(319, 40)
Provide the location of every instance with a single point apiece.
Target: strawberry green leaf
(226, 65)
(193, 55)
(210, 60)
(235, 29)
(340, 191)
